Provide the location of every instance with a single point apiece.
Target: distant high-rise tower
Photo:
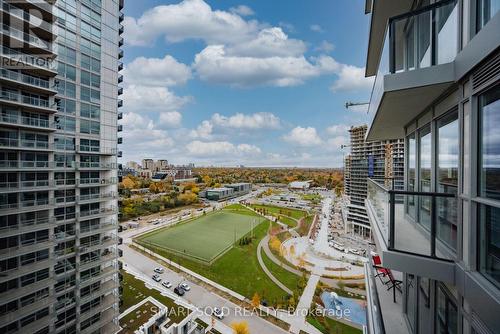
(58, 165)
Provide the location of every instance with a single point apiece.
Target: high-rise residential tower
(58, 169)
(381, 160)
(437, 84)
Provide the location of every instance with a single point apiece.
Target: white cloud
(316, 28)
(242, 10)
(325, 46)
(261, 120)
(141, 136)
(338, 129)
(189, 19)
(220, 149)
(170, 119)
(166, 71)
(203, 131)
(269, 42)
(352, 78)
(304, 137)
(213, 64)
(145, 99)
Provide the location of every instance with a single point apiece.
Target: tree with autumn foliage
(240, 327)
(255, 300)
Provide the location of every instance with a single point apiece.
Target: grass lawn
(205, 237)
(329, 326)
(306, 224)
(134, 291)
(288, 221)
(290, 280)
(276, 210)
(238, 269)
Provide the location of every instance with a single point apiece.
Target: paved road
(198, 296)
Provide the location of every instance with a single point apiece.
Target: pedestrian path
(299, 320)
(268, 273)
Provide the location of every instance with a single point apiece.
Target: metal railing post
(392, 212)
(433, 226)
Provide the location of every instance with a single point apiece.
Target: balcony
(120, 66)
(415, 67)
(27, 226)
(92, 182)
(26, 144)
(120, 78)
(25, 185)
(382, 310)
(120, 115)
(119, 140)
(120, 103)
(121, 29)
(120, 41)
(120, 128)
(21, 205)
(26, 101)
(37, 24)
(120, 90)
(96, 149)
(96, 165)
(414, 229)
(27, 247)
(28, 165)
(42, 64)
(34, 83)
(97, 212)
(22, 37)
(27, 122)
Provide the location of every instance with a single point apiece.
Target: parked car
(218, 313)
(179, 291)
(166, 284)
(159, 270)
(156, 278)
(185, 286)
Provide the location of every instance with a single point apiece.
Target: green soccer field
(206, 237)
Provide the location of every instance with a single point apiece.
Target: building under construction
(381, 160)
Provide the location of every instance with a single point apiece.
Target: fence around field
(153, 246)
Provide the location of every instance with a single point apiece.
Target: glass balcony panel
(446, 30)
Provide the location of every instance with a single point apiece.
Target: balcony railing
(413, 222)
(418, 39)
(96, 149)
(29, 60)
(27, 79)
(8, 164)
(29, 38)
(25, 184)
(25, 99)
(23, 143)
(26, 16)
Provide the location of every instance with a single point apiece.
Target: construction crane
(352, 104)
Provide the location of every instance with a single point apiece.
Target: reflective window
(489, 111)
(412, 165)
(485, 10)
(489, 241)
(447, 178)
(425, 175)
(446, 315)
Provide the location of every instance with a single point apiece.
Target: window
(89, 127)
(446, 315)
(66, 106)
(489, 184)
(425, 175)
(89, 111)
(485, 10)
(447, 178)
(412, 167)
(65, 123)
(66, 71)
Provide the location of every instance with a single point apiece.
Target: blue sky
(258, 83)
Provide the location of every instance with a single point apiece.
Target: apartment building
(437, 84)
(381, 160)
(58, 170)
